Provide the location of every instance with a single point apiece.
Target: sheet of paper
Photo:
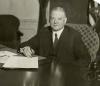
(21, 62)
(4, 55)
(3, 59)
(7, 53)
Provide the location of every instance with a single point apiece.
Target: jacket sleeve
(33, 43)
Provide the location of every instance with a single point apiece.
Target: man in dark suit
(64, 48)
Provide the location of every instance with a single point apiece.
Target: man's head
(57, 18)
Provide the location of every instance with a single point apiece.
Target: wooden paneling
(29, 28)
(27, 11)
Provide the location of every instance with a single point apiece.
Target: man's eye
(59, 18)
(52, 18)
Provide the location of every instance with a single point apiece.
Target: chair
(90, 38)
(9, 33)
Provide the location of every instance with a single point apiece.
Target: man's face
(57, 20)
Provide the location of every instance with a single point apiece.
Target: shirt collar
(58, 32)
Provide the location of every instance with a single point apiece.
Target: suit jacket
(70, 54)
(70, 47)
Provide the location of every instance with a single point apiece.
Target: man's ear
(65, 20)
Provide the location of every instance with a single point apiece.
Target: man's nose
(55, 21)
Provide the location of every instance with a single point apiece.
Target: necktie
(56, 40)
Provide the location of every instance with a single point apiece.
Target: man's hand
(27, 51)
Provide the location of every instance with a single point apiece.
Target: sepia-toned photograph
(49, 42)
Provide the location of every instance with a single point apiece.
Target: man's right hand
(27, 51)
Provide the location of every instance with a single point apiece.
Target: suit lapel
(50, 38)
(62, 38)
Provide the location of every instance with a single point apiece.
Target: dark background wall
(42, 13)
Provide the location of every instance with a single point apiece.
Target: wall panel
(27, 11)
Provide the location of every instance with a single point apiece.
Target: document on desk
(21, 62)
(7, 53)
(4, 55)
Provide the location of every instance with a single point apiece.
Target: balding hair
(58, 9)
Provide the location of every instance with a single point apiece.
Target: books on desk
(16, 61)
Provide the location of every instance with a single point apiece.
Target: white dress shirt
(58, 34)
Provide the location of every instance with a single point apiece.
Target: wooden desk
(12, 77)
(41, 76)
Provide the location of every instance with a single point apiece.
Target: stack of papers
(12, 60)
(7, 53)
(4, 55)
(21, 62)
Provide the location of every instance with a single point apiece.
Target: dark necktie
(55, 41)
